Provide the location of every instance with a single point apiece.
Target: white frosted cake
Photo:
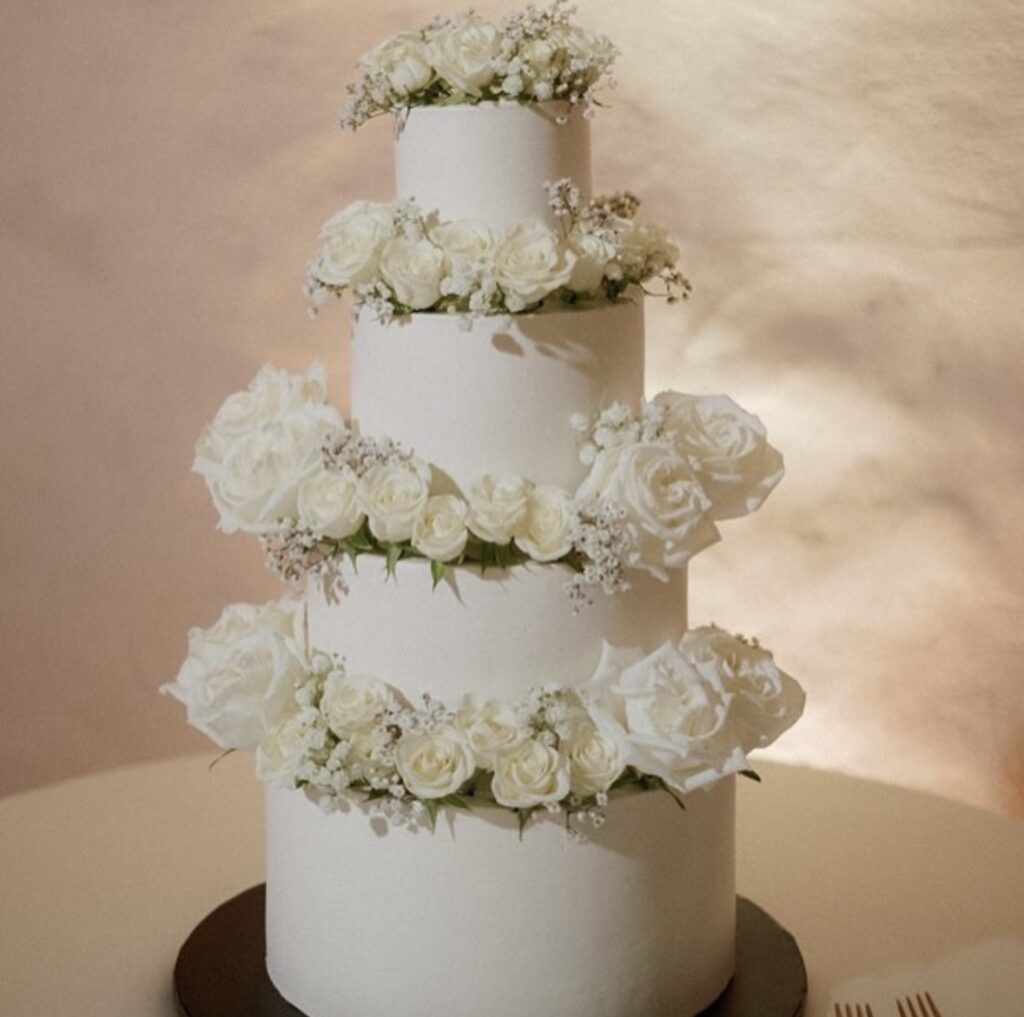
(500, 766)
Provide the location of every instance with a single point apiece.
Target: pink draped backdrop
(846, 181)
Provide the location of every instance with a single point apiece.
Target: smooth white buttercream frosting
(489, 161)
(499, 395)
(472, 921)
(496, 634)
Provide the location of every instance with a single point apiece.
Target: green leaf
(455, 802)
(374, 793)
(524, 816)
(438, 570)
(433, 807)
(751, 775)
(394, 552)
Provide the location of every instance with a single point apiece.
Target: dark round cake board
(221, 970)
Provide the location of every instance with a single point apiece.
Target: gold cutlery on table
(850, 1010)
(925, 1007)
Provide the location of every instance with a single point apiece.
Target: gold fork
(925, 1007)
(847, 1010)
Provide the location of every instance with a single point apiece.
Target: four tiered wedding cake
(500, 766)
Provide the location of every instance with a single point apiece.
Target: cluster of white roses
(535, 55)
(687, 462)
(395, 259)
(681, 718)
(280, 463)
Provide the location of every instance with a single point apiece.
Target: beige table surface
(887, 891)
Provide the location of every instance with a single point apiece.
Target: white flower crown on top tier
(676, 719)
(534, 55)
(280, 462)
(396, 259)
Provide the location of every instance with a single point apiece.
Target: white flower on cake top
(535, 55)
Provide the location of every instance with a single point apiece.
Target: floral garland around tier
(280, 463)
(396, 259)
(677, 719)
(534, 55)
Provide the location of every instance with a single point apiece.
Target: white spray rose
(352, 244)
(735, 463)
(413, 269)
(435, 763)
(596, 758)
(531, 261)
(497, 506)
(353, 704)
(465, 242)
(766, 701)
(278, 755)
(491, 727)
(666, 507)
(367, 755)
(403, 60)
(327, 503)
(392, 496)
(238, 682)
(675, 720)
(463, 54)
(440, 529)
(530, 774)
(543, 533)
(644, 249)
(593, 255)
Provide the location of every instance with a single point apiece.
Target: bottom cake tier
(474, 920)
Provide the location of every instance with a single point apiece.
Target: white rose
(257, 484)
(413, 269)
(497, 506)
(403, 60)
(238, 682)
(367, 756)
(537, 54)
(272, 394)
(596, 758)
(735, 463)
(463, 54)
(433, 764)
(644, 250)
(353, 704)
(593, 255)
(530, 774)
(392, 496)
(531, 262)
(675, 721)
(543, 533)
(353, 241)
(440, 529)
(593, 52)
(766, 702)
(464, 242)
(666, 507)
(491, 728)
(327, 503)
(278, 755)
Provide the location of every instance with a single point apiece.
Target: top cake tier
(490, 161)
